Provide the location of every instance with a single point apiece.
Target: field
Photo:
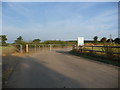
(111, 52)
(101, 49)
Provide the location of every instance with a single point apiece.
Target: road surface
(0, 69)
(55, 69)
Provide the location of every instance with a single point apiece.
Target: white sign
(80, 41)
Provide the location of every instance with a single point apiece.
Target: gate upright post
(50, 47)
(92, 49)
(27, 48)
(20, 48)
(35, 48)
(39, 47)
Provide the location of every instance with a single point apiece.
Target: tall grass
(7, 49)
(112, 52)
(106, 51)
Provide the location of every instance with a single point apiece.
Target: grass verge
(96, 58)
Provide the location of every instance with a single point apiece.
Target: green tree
(103, 40)
(36, 41)
(110, 40)
(117, 40)
(19, 40)
(95, 39)
(3, 39)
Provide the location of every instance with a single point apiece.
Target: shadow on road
(38, 71)
(31, 73)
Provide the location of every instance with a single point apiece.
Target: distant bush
(117, 40)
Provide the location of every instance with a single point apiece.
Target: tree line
(19, 40)
(104, 40)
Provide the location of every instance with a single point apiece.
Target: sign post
(50, 47)
(80, 41)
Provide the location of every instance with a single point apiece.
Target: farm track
(55, 69)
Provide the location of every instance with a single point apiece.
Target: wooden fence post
(21, 48)
(27, 48)
(35, 48)
(108, 50)
(92, 48)
(84, 48)
(81, 49)
(39, 47)
(50, 47)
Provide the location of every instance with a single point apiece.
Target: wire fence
(19, 48)
(109, 51)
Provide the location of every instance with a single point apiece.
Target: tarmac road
(0, 70)
(55, 69)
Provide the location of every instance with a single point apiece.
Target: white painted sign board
(80, 41)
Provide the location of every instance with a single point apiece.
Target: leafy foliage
(59, 42)
(103, 40)
(19, 40)
(36, 41)
(95, 39)
(117, 40)
(3, 39)
(110, 40)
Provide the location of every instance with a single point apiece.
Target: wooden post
(50, 47)
(84, 48)
(27, 48)
(92, 49)
(81, 49)
(21, 49)
(35, 48)
(39, 47)
(108, 50)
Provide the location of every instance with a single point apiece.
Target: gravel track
(56, 69)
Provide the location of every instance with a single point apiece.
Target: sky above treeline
(59, 20)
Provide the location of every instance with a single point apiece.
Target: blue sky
(59, 20)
